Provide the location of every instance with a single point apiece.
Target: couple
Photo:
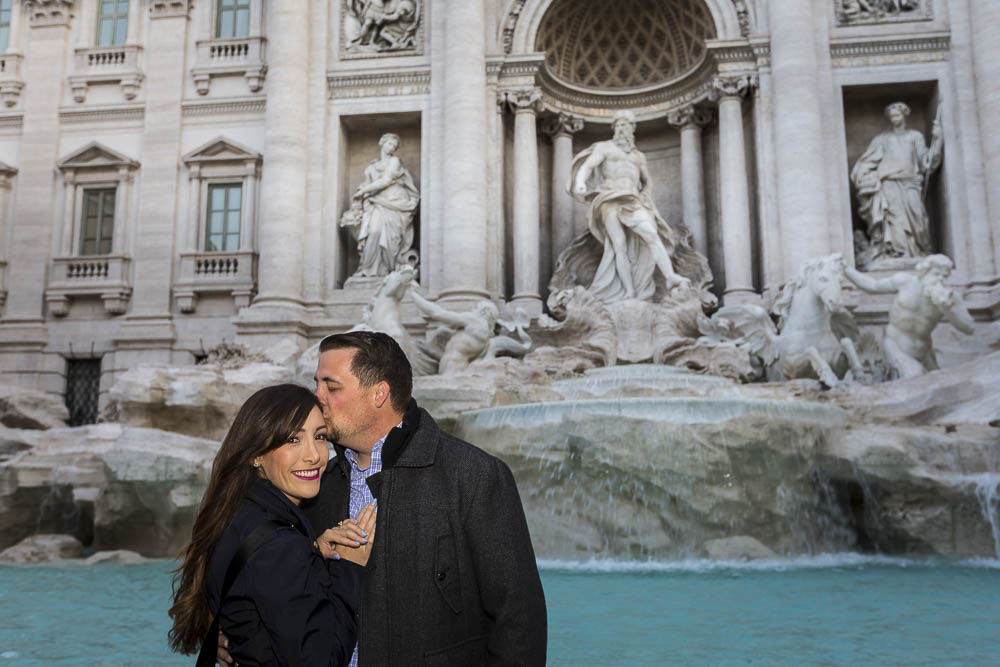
(448, 576)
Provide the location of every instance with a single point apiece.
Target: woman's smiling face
(295, 467)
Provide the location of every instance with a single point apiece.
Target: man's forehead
(335, 364)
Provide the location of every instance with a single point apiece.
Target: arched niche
(523, 18)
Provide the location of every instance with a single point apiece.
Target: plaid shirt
(361, 495)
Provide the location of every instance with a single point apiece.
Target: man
(613, 177)
(452, 578)
(921, 302)
(891, 177)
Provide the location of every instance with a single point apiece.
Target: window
(83, 383)
(112, 22)
(222, 231)
(98, 222)
(232, 19)
(4, 24)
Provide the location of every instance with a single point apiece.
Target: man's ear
(380, 393)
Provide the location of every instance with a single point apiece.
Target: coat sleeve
(506, 571)
(308, 610)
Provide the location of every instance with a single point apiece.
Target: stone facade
(232, 144)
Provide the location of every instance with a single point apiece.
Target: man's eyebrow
(327, 378)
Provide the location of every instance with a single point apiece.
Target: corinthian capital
(728, 85)
(522, 100)
(562, 123)
(164, 8)
(49, 12)
(689, 116)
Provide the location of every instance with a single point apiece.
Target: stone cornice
(159, 9)
(855, 52)
(379, 83)
(254, 105)
(43, 13)
(15, 119)
(97, 114)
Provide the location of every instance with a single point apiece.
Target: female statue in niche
(891, 178)
(381, 213)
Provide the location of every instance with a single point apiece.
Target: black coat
(452, 578)
(288, 606)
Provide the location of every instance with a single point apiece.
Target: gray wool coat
(452, 578)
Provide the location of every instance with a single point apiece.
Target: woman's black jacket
(288, 606)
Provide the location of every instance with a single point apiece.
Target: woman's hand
(351, 538)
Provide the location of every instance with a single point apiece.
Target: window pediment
(96, 156)
(221, 149)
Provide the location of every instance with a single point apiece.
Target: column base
(529, 303)
(463, 299)
(738, 296)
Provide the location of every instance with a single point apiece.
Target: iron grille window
(232, 19)
(4, 24)
(98, 221)
(112, 22)
(222, 233)
(83, 384)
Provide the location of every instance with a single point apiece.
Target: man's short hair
(377, 358)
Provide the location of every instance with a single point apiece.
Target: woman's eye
(321, 436)
(294, 439)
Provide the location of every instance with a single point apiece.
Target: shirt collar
(352, 455)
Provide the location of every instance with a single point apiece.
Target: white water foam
(817, 562)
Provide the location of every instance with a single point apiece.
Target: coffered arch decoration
(522, 22)
(625, 45)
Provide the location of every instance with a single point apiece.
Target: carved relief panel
(853, 12)
(374, 28)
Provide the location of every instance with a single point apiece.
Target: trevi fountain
(726, 302)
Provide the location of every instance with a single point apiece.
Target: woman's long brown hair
(265, 422)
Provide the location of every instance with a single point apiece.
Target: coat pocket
(468, 653)
(446, 573)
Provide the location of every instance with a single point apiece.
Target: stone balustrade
(106, 64)
(232, 273)
(227, 57)
(105, 276)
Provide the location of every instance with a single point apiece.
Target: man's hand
(221, 653)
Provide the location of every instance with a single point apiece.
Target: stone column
(283, 189)
(736, 249)
(153, 250)
(31, 233)
(524, 104)
(562, 128)
(464, 239)
(800, 159)
(690, 120)
(985, 19)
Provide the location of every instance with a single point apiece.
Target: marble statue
(922, 300)
(381, 214)
(383, 314)
(891, 179)
(467, 333)
(383, 25)
(612, 177)
(874, 9)
(815, 332)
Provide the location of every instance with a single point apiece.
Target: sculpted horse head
(813, 292)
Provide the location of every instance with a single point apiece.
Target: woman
(288, 605)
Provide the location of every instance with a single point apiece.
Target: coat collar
(413, 445)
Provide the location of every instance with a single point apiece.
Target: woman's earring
(256, 464)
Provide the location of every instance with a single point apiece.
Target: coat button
(441, 576)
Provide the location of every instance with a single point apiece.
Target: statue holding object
(891, 178)
(381, 214)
